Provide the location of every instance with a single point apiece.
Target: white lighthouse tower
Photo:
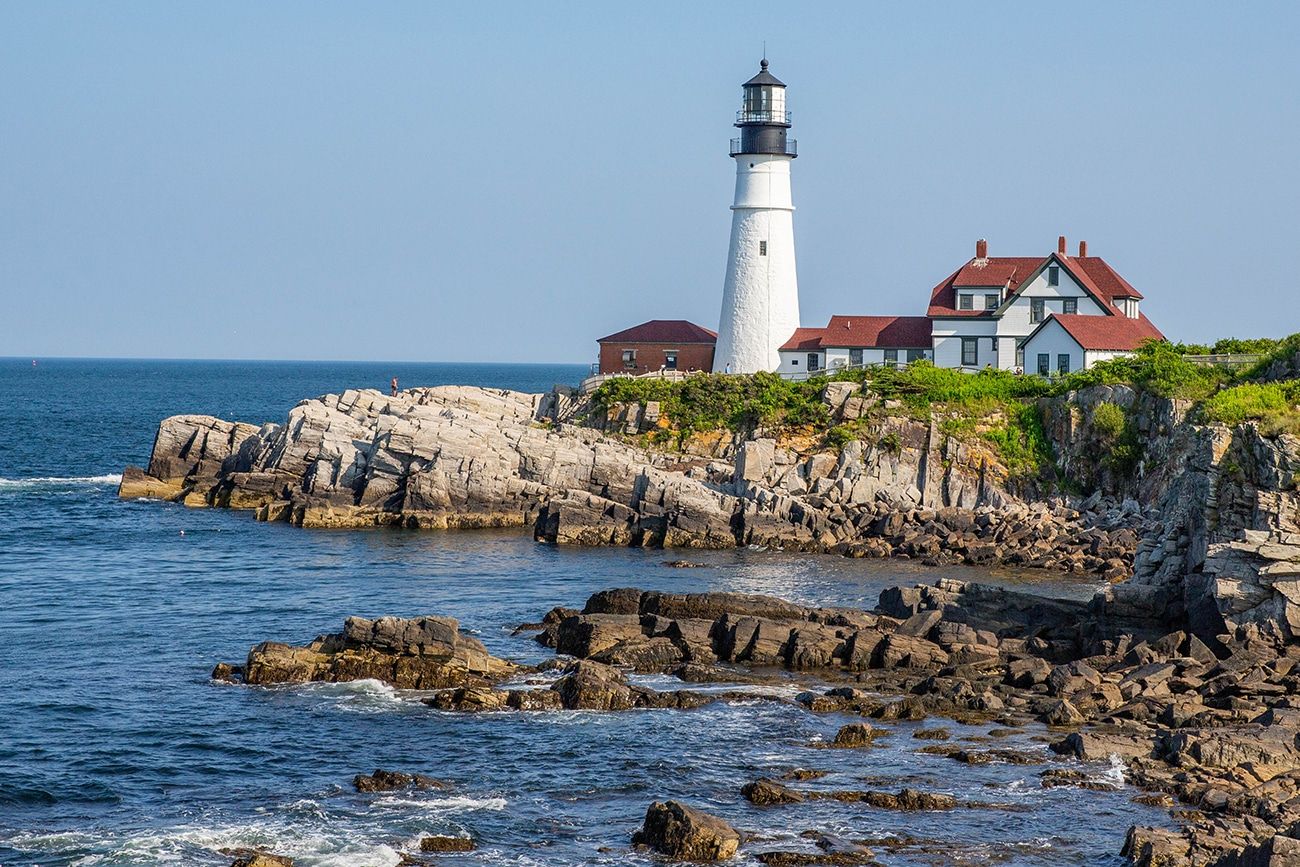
(760, 299)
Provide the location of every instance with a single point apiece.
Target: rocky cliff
(470, 457)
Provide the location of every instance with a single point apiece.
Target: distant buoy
(182, 532)
(33, 362)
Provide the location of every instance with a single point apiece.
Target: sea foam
(60, 481)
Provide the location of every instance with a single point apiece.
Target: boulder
(392, 781)
(855, 735)
(257, 858)
(683, 833)
(416, 653)
(446, 843)
(587, 685)
(764, 793)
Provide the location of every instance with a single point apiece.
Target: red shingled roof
(870, 332)
(1118, 333)
(1097, 277)
(663, 331)
(804, 338)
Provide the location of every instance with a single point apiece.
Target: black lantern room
(762, 119)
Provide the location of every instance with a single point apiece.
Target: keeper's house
(660, 344)
(1036, 314)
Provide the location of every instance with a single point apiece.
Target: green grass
(1275, 405)
(716, 401)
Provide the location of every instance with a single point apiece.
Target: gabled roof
(1093, 273)
(804, 339)
(1117, 333)
(663, 331)
(870, 332)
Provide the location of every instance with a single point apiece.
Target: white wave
(59, 481)
(454, 804)
(177, 845)
(361, 696)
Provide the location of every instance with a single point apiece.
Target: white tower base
(760, 299)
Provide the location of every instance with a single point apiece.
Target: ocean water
(116, 748)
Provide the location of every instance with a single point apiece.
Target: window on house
(915, 355)
(762, 248)
(1044, 364)
(629, 358)
(794, 362)
(1036, 309)
(855, 357)
(1053, 275)
(670, 359)
(1063, 362)
(1070, 306)
(1020, 357)
(812, 361)
(891, 356)
(969, 352)
(966, 302)
(991, 301)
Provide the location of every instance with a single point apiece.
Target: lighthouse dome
(764, 77)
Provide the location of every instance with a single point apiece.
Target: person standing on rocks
(393, 384)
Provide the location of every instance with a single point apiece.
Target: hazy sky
(510, 181)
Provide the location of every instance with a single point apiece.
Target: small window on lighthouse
(762, 248)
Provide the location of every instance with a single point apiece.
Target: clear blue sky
(509, 181)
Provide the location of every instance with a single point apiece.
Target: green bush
(1157, 367)
(1276, 405)
(1108, 420)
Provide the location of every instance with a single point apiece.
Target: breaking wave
(60, 482)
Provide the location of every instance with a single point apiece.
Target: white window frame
(1037, 310)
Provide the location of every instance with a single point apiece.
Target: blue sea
(116, 748)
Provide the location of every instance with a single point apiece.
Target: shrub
(1108, 421)
(1157, 366)
(1273, 404)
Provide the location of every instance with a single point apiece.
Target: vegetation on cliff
(995, 407)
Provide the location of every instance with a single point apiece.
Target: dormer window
(991, 301)
(966, 301)
(1053, 275)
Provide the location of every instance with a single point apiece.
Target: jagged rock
(855, 735)
(391, 781)
(764, 792)
(588, 685)
(257, 858)
(1062, 713)
(419, 653)
(446, 843)
(904, 799)
(685, 834)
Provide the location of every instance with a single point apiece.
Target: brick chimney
(1060, 245)
(981, 249)
(1083, 249)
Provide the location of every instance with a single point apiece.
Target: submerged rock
(446, 843)
(683, 833)
(257, 858)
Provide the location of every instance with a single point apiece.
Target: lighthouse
(760, 298)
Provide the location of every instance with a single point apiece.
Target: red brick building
(660, 344)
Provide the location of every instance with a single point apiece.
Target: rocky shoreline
(456, 457)
(1211, 725)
